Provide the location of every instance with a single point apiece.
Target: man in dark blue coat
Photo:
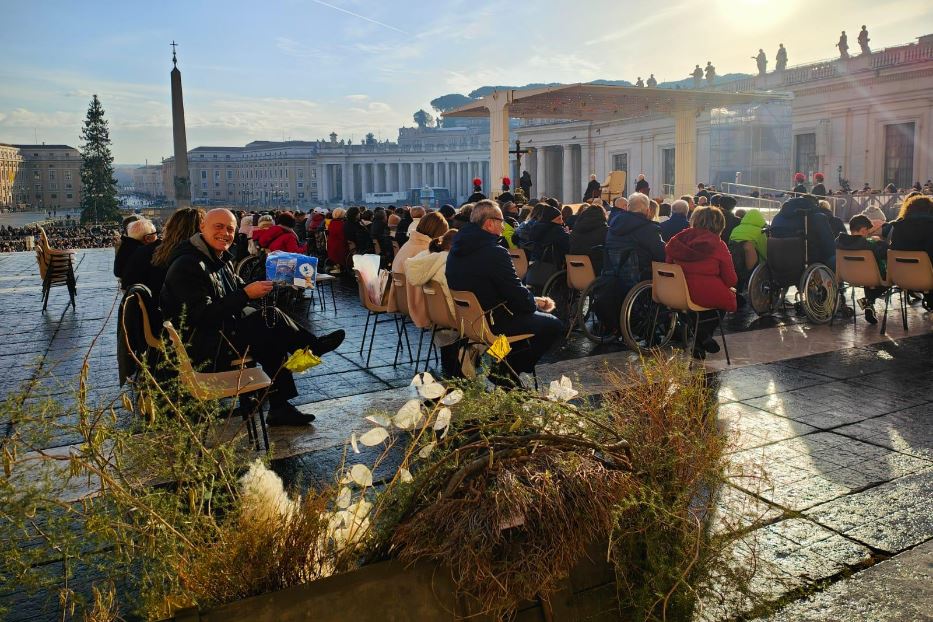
(678, 220)
(789, 223)
(479, 265)
(632, 243)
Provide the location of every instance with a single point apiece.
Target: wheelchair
(788, 264)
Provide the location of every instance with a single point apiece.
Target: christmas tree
(99, 187)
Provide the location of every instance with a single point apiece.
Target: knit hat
(548, 214)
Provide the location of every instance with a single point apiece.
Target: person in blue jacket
(632, 243)
(789, 223)
(478, 264)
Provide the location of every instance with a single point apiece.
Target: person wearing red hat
(505, 196)
(477, 191)
(799, 187)
(818, 189)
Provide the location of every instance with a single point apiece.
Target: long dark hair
(180, 226)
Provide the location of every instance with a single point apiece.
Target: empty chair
(908, 271)
(669, 288)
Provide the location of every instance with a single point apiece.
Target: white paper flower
(380, 419)
(374, 437)
(405, 475)
(408, 415)
(561, 390)
(443, 419)
(361, 475)
(344, 498)
(452, 398)
(427, 449)
(356, 448)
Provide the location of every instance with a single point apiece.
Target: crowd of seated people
(61, 235)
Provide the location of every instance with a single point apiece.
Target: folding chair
(859, 269)
(399, 294)
(520, 261)
(669, 288)
(221, 384)
(473, 325)
(438, 312)
(908, 271)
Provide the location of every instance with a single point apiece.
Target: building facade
(866, 119)
(10, 163)
(147, 180)
(44, 177)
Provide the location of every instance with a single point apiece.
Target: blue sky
(300, 69)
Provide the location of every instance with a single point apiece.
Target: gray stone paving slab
(890, 517)
(896, 590)
(908, 431)
(760, 380)
(811, 469)
(749, 427)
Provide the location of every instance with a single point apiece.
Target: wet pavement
(831, 462)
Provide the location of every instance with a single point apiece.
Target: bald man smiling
(210, 304)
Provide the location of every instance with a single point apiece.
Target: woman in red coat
(282, 236)
(708, 268)
(336, 239)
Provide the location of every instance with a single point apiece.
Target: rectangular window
(301, 195)
(620, 163)
(54, 196)
(67, 175)
(667, 170)
(53, 186)
(36, 175)
(301, 184)
(229, 174)
(899, 154)
(216, 174)
(70, 196)
(301, 173)
(51, 175)
(286, 173)
(203, 185)
(203, 174)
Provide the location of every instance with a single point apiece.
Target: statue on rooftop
(710, 72)
(697, 76)
(651, 81)
(762, 62)
(863, 40)
(639, 82)
(780, 60)
(843, 45)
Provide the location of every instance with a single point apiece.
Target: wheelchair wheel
(595, 330)
(252, 268)
(819, 293)
(556, 289)
(764, 294)
(639, 313)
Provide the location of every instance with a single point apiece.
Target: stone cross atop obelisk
(182, 178)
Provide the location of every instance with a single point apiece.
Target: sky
(299, 69)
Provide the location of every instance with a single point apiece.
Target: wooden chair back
(669, 287)
(580, 273)
(858, 268)
(438, 309)
(519, 261)
(910, 270)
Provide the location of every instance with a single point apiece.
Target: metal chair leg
(262, 425)
(887, 302)
(372, 338)
(418, 358)
(722, 331)
(398, 344)
(904, 310)
(365, 330)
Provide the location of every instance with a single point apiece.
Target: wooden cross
(519, 152)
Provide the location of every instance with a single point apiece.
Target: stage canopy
(596, 102)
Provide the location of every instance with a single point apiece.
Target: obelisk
(182, 179)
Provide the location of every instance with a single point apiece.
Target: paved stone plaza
(831, 431)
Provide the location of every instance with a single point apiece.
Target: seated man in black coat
(204, 297)
(479, 265)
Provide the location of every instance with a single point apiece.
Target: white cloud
(23, 117)
(358, 97)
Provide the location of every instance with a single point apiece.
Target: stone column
(364, 179)
(538, 183)
(685, 154)
(325, 183)
(567, 187)
(349, 182)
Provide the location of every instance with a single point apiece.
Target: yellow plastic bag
(302, 360)
(500, 348)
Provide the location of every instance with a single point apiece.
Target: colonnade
(350, 181)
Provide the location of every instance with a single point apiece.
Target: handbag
(540, 271)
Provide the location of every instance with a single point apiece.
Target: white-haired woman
(138, 233)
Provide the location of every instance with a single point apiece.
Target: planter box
(424, 592)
